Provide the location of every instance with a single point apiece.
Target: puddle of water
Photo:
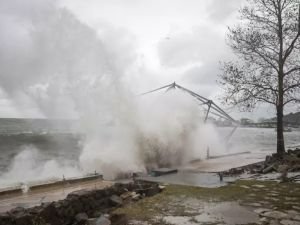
(211, 180)
(231, 213)
(207, 218)
(180, 220)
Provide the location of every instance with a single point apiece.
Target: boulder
(102, 220)
(126, 195)
(23, 219)
(81, 219)
(79, 205)
(78, 194)
(16, 211)
(269, 168)
(118, 219)
(149, 191)
(115, 200)
(136, 196)
(49, 213)
(5, 219)
(99, 194)
(161, 187)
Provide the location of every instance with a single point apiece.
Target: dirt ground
(240, 202)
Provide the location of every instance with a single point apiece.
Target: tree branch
(291, 47)
(291, 87)
(291, 100)
(292, 70)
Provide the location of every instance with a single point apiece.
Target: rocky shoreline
(288, 162)
(84, 207)
(124, 203)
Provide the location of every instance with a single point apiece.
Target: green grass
(169, 202)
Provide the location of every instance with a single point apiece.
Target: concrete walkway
(224, 163)
(47, 194)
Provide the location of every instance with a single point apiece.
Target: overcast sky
(176, 40)
(150, 42)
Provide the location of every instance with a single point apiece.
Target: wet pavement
(191, 179)
(224, 163)
(204, 173)
(47, 194)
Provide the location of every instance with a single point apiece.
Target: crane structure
(212, 107)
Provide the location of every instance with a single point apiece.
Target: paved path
(224, 163)
(48, 194)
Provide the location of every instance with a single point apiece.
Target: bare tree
(267, 70)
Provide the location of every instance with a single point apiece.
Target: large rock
(48, 211)
(148, 190)
(269, 168)
(23, 219)
(116, 200)
(79, 205)
(99, 194)
(20, 216)
(118, 219)
(78, 194)
(126, 195)
(135, 196)
(81, 219)
(5, 219)
(102, 220)
(16, 211)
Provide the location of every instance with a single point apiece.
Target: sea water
(58, 144)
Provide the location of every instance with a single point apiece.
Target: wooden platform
(162, 171)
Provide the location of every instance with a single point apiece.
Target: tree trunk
(279, 107)
(280, 137)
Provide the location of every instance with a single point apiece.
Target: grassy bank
(186, 201)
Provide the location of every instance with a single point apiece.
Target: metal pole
(209, 105)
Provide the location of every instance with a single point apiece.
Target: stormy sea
(29, 144)
(42, 149)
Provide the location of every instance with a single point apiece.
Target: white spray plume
(28, 166)
(66, 69)
(172, 131)
(135, 133)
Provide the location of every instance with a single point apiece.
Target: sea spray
(66, 69)
(138, 133)
(173, 131)
(29, 166)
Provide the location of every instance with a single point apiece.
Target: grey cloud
(204, 77)
(206, 74)
(199, 52)
(220, 10)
